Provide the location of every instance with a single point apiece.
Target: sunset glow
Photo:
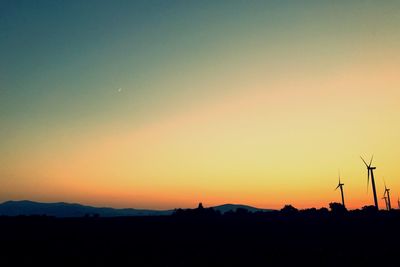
(199, 101)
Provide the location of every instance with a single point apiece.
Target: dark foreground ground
(265, 239)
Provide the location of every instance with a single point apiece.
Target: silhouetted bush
(369, 209)
(337, 208)
(289, 210)
(323, 211)
(199, 212)
(242, 211)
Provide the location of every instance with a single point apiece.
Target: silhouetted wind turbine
(398, 202)
(371, 171)
(340, 185)
(387, 193)
(386, 203)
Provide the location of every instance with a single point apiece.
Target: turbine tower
(387, 194)
(386, 202)
(340, 185)
(370, 170)
(398, 203)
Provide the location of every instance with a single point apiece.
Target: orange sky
(263, 109)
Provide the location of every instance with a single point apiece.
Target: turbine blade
(371, 160)
(368, 181)
(364, 162)
(337, 187)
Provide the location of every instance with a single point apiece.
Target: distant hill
(62, 209)
(233, 207)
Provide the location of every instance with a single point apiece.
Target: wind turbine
(340, 185)
(398, 202)
(370, 170)
(386, 202)
(387, 193)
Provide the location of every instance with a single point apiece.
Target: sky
(165, 104)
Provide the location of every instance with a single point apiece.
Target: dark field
(236, 239)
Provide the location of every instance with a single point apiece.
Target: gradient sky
(163, 104)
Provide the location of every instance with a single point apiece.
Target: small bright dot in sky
(119, 90)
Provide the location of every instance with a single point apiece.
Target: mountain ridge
(64, 209)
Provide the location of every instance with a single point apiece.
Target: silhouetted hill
(61, 209)
(233, 207)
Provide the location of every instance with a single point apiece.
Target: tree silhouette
(289, 209)
(369, 209)
(337, 208)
